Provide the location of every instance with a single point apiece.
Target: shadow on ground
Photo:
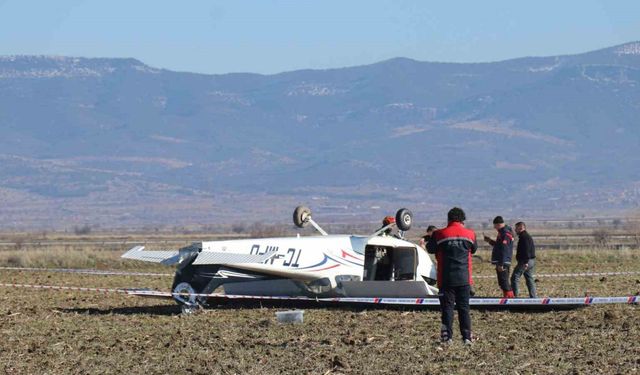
(164, 310)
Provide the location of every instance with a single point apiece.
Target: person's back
(455, 246)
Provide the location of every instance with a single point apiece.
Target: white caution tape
(577, 274)
(433, 301)
(155, 274)
(561, 301)
(473, 301)
(62, 287)
(87, 271)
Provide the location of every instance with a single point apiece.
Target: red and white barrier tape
(87, 271)
(560, 301)
(62, 287)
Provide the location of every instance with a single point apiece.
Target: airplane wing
(166, 257)
(284, 272)
(214, 257)
(170, 257)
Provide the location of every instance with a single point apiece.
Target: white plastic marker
(561, 301)
(126, 273)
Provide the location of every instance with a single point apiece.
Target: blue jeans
(528, 276)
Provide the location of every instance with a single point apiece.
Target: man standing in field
(453, 247)
(501, 254)
(526, 257)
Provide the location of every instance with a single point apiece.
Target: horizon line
(62, 57)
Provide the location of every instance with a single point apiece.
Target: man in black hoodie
(526, 257)
(501, 254)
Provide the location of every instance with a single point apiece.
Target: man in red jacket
(453, 247)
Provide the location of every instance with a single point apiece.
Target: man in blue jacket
(501, 254)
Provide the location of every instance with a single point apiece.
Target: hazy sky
(273, 36)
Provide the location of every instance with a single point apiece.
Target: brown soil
(58, 332)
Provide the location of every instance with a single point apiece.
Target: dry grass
(78, 333)
(69, 257)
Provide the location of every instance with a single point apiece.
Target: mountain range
(117, 143)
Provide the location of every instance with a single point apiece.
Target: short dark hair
(498, 220)
(431, 227)
(521, 223)
(456, 214)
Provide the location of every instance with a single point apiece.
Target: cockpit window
(358, 243)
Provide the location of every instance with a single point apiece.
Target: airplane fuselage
(317, 265)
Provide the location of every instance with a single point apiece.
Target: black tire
(404, 219)
(301, 216)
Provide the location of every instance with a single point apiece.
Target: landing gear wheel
(185, 295)
(301, 216)
(404, 219)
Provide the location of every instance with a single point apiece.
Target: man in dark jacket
(453, 247)
(501, 254)
(425, 239)
(526, 257)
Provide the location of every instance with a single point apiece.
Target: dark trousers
(503, 278)
(458, 296)
(529, 277)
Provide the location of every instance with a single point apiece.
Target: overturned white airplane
(378, 265)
